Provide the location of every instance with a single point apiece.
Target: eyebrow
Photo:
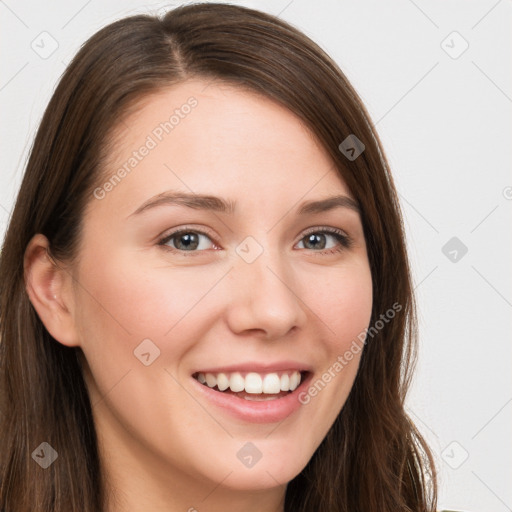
(217, 204)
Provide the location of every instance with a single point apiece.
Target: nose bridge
(263, 294)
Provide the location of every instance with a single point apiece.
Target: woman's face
(255, 289)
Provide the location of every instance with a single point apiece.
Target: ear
(49, 287)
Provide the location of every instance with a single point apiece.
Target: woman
(206, 301)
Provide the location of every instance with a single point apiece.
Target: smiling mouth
(253, 386)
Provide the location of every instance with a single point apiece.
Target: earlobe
(48, 286)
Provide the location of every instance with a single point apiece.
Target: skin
(163, 446)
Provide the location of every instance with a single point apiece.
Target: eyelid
(324, 229)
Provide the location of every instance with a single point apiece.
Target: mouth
(253, 386)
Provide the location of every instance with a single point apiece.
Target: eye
(187, 240)
(318, 240)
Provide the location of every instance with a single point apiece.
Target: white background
(446, 127)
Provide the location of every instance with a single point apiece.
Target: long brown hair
(373, 458)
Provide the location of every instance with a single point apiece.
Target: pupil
(190, 241)
(316, 237)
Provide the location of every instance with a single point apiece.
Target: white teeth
(294, 380)
(236, 382)
(222, 381)
(211, 380)
(285, 382)
(271, 383)
(253, 383)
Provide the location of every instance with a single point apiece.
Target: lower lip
(264, 411)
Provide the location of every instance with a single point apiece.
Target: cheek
(344, 303)
(128, 300)
(120, 304)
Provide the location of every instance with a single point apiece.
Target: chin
(260, 479)
(274, 468)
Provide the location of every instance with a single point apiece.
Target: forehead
(215, 137)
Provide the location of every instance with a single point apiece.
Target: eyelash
(344, 240)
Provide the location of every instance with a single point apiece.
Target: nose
(263, 299)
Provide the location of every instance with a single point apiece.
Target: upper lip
(278, 366)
